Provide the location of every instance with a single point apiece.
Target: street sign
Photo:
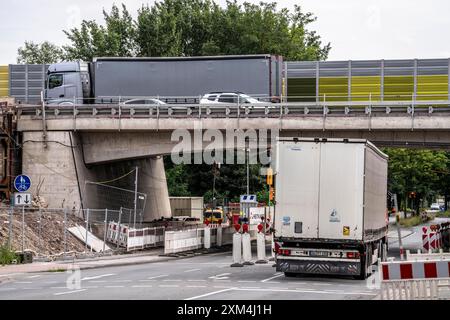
(22, 199)
(22, 183)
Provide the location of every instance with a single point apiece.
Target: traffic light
(271, 193)
(269, 176)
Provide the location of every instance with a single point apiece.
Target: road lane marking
(321, 284)
(10, 274)
(172, 280)
(120, 281)
(142, 286)
(26, 282)
(221, 287)
(247, 281)
(114, 286)
(250, 288)
(196, 287)
(198, 280)
(160, 276)
(99, 276)
(36, 276)
(192, 270)
(221, 276)
(209, 294)
(58, 287)
(168, 285)
(275, 276)
(68, 292)
(98, 281)
(90, 287)
(146, 280)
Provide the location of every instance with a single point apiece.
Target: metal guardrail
(264, 110)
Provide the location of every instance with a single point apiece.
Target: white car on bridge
(230, 98)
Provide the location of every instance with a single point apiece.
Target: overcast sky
(357, 29)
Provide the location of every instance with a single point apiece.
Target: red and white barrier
(433, 244)
(425, 242)
(405, 270)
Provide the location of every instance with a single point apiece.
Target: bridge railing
(265, 109)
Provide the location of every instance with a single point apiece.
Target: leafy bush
(6, 255)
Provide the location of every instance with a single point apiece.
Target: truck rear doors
(319, 190)
(297, 189)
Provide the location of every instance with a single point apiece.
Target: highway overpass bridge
(68, 145)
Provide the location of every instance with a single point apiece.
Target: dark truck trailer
(331, 207)
(107, 79)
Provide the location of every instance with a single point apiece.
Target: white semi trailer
(331, 206)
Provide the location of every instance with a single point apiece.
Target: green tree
(114, 39)
(201, 27)
(418, 171)
(176, 176)
(42, 53)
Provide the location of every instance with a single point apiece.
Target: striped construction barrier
(433, 243)
(425, 242)
(405, 270)
(414, 279)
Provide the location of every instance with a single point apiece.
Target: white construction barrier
(219, 237)
(414, 279)
(246, 249)
(144, 238)
(261, 248)
(207, 237)
(421, 289)
(237, 255)
(133, 239)
(183, 240)
(441, 255)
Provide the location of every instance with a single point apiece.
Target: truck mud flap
(319, 267)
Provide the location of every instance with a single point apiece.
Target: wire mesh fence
(60, 233)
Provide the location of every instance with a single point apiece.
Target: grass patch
(445, 214)
(57, 270)
(415, 220)
(6, 256)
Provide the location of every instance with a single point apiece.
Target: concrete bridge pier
(61, 176)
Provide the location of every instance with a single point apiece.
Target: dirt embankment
(44, 236)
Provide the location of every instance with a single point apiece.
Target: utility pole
(135, 196)
(247, 153)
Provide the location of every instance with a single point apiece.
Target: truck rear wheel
(363, 262)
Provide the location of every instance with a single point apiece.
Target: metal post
(40, 228)
(118, 227)
(397, 219)
(65, 233)
(135, 196)
(247, 153)
(23, 228)
(87, 226)
(11, 212)
(104, 234)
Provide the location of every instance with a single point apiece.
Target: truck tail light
(353, 255)
(285, 252)
(277, 248)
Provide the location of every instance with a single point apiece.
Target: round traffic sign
(22, 183)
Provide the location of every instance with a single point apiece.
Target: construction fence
(53, 233)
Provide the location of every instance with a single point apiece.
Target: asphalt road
(196, 278)
(200, 277)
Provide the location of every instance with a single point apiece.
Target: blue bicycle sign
(22, 183)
